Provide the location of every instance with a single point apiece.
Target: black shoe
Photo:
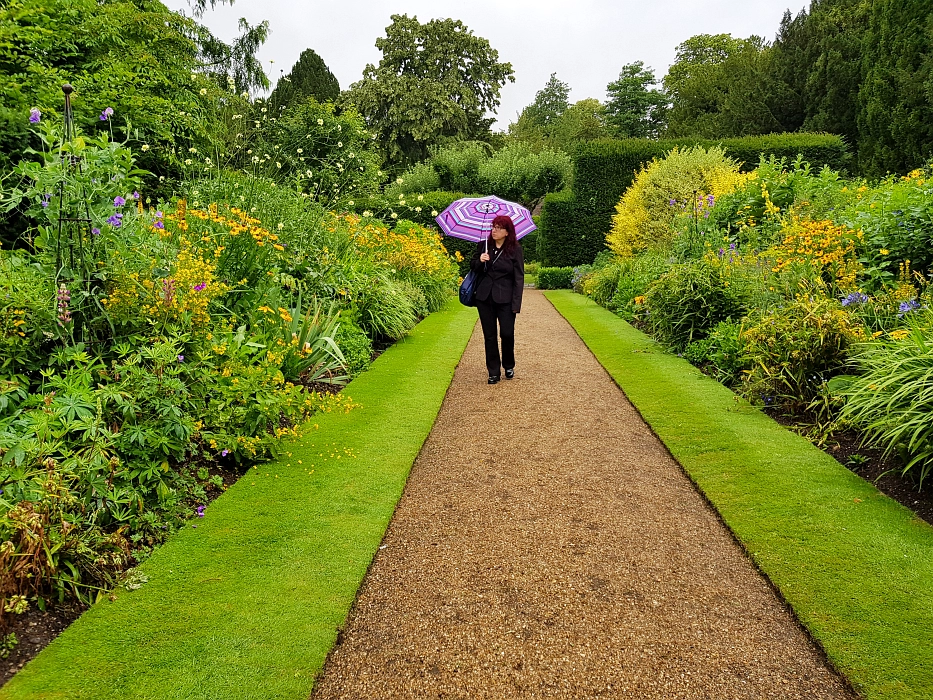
(510, 374)
(493, 379)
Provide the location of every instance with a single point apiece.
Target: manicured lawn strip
(856, 566)
(247, 604)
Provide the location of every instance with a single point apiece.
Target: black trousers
(491, 315)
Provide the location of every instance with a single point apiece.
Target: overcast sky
(586, 42)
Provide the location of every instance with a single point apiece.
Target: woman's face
(499, 233)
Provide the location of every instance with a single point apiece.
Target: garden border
(855, 566)
(247, 602)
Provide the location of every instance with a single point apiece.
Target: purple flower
(732, 247)
(200, 511)
(225, 453)
(710, 200)
(721, 252)
(45, 200)
(116, 220)
(34, 115)
(135, 194)
(200, 287)
(159, 225)
(106, 114)
(95, 231)
(159, 215)
(118, 201)
(673, 202)
(181, 358)
(855, 298)
(906, 307)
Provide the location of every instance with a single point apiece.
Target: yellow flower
(884, 251)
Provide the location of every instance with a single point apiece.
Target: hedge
(570, 233)
(555, 278)
(604, 169)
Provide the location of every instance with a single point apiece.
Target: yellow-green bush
(666, 188)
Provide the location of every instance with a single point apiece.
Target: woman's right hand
(484, 257)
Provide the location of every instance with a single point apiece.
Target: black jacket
(502, 280)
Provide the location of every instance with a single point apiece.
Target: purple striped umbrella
(470, 218)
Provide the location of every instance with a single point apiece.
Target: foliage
(580, 122)
(792, 350)
(720, 353)
(155, 69)
(434, 82)
(550, 103)
(634, 109)
(890, 399)
(354, 344)
(721, 86)
(683, 182)
(313, 149)
(555, 278)
(685, 303)
(309, 77)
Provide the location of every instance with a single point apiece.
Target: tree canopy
(634, 107)
(434, 83)
(309, 77)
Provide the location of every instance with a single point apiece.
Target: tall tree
(895, 100)
(434, 83)
(635, 108)
(550, 102)
(309, 77)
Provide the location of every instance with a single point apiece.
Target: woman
(501, 264)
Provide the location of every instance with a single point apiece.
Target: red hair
(505, 222)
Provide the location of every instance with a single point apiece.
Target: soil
(872, 465)
(548, 546)
(35, 629)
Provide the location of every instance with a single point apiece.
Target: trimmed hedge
(570, 233)
(555, 278)
(604, 169)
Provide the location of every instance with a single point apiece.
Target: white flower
(367, 213)
(263, 110)
(195, 193)
(399, 180)
(402, 202)
(208, 161)
(244, 94)
(340, 144)
(320, 122)
(277, 164)
(394, 215)
(237, 116)
(420, 197)
(195, 204)
(230, 80)
(352, 155)
(350, 203)
(434, 212)
(249, 151)
(276, 147)
(192, 150)
(145, 147)
(242, 198)
(161, 178)
(187, 161)
(281, 226)
(338, 127)
(255, 159)
(203, 91)
(417, 208)
(379, 173)
(301, 150)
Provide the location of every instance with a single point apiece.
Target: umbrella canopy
(471, 217)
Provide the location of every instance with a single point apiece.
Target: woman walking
(500, 262)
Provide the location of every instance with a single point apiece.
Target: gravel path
(548, 546)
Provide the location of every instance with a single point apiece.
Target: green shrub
(353, 342)
(720, 353)
(685, 303)
(519, 174)
(791, 351)
(555, 278)
(635, 276)
(418, 179)
(892, 398)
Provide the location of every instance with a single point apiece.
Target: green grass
(856, 567)
(247, 604)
